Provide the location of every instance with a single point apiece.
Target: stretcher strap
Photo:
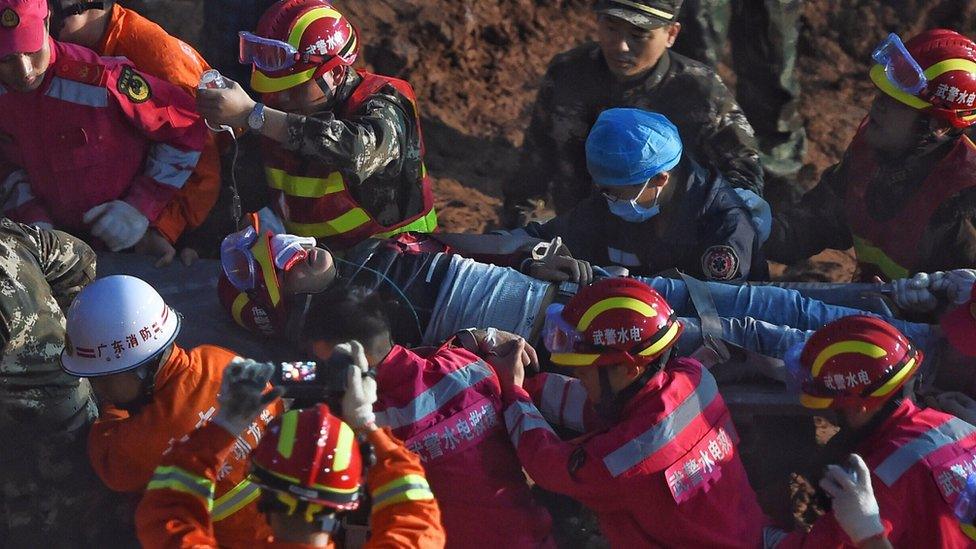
(701, 298)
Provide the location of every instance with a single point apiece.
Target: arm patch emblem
(133, 85)
(720, 263)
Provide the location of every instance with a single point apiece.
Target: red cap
(22, 26)
(959, 326)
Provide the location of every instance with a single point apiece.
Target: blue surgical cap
(630, 146)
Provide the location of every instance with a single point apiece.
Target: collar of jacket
(179, 361)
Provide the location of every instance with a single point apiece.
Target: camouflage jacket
(578, 86)
(40, 273)
(371, 148)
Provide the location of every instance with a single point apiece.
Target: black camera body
(314, 381)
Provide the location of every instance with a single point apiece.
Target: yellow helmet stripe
(263, 257)
(663, 342)
(815, 403)
(237, 307)
(343, 449)
(943, 67)
(295, 37)
(881, 81)
(286, 440)
(263, 83)
(859, 347)
(895, 380)
(574, 359)
(613, 303)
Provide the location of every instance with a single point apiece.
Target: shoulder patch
(720, 263)
(132, 85)
(81, 71)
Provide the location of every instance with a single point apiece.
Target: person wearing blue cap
(656, 208)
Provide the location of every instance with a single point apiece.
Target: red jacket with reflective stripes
(96, 130)
(445, 403)
(919, 461)
(666, 474)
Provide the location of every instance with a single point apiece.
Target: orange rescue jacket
(153, 51)
(175, 510)
(126, 449)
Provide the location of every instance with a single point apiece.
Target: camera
(314, 381)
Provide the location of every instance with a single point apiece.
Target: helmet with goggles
(612, 321)
(252, 262)
(297, 41)
(854, 361)
(934, 72)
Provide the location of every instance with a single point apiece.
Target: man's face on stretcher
(312, 275)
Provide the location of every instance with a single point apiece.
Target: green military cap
(646, 14)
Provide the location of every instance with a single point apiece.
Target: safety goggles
(274, 55)
(900, 67)
(558, 335)
(239, 264)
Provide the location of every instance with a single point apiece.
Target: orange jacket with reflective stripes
(125, 449)
(175, 511)
(155, 52)
(314, 198)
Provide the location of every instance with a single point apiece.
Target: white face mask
(632, 212)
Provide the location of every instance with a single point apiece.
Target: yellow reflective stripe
(969, 530)
(573, 359)
(841, 347)
(171, 477)
(304, 187)
(869, 254)
(646, 9)
(426, 224)
(286, 440)
(614, 303)
(343, 449)
(881, 81)
(405, 488)
(295, 37)
(263, 83)
(660, 344)
(943, 67)
(237, 307)
(894, 381)
(262, 255)
(234, 500)
(815, 403)
(342, 224)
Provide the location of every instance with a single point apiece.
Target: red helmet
(612, 321)
(262, 308)
(948, 61)
(854, 361)
(324, 39)
(312, 456)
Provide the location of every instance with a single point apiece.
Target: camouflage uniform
(378, 143)
(763, 36)
(578, 86)
(50, 496)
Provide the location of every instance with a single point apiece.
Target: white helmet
(116, 324)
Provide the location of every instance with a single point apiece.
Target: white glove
(958, 285)
(241, 395)
(855, 507)
(914, 294)
(357, 403)
(117, 224)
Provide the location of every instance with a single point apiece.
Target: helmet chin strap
(612, 404)
(332, 95)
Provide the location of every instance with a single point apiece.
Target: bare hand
(154, 244)
(561, 268)
(500, 339)
(230, 106)
(509, 363)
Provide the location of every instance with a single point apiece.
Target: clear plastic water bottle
(212, 80)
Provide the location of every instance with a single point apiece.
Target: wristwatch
(255, 120)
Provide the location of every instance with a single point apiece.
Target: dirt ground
(476, 65)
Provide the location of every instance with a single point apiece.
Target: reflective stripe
(299, 26)
(433, 398)
(266, 84)
(563, 400)
(881, 81)
(942, 67)
(426, 224)
(169, 165)
(523, 416)
(343, 448)
(620, 257)
(610, 303)
(237, 307)
(902, 459)
(842, 347)
(969, 530)
(286, 438)
(342, 224)
(235, 499)
(895, 380)
(867, 253)
(405, 488)
(171, 477)
(78, 93)
(660, 435)
(304, 187)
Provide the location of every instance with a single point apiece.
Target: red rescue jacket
(446, 405)
(314, 199)
(667, 474)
